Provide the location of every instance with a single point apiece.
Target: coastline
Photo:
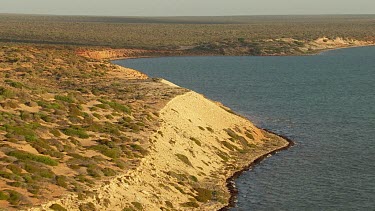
(338, 48)
(189, 156)
(231, 180)
(229, 177)
(309, 48)
(217, 152)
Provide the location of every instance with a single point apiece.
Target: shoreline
(230, 181)
(231, 185)
(339, 48)
(114, 54)
(175, 125)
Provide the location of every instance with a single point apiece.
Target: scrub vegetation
(67, 123)
(242, 35)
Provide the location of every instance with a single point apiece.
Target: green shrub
(203, 195)
(87, 207)
(95, 171)
(231, 133)
(4, 195)
(107, 151)
(49, 105)
(15, 169)
(128, 209)
(193, 178)
(14, 197)
(102, 106)
(15, 184)
(108, 116)
(44, 147)
(229, 146)
(64, 98)
(210, 129)
(139, 149)
(25, 130)
(120, 163)
(14, 84)
(26, 116)
(75, 131)
(202, 128)
(27, 178)
(10, 176)
(61, 181)
(190, 204)
(117, 106)
(179, 177)
(23, 155)
(137, 205)
(109, 172)
(179, 189)
(184, 159)
(249, 135)
(6, 93)
(223, 155)
(55, 132)
(196, 141)
(169, 204)
(57, 207)
(46, 173)
(97, 115)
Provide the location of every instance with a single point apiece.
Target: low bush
(137, 205)
(87, 207)
(23, 155)
(14, 84)
(107, 151)
(190, 204)
(61, 181)
(117, 106)
(6, 93)
(57, 207)
(49, 105)
(14, 197)
(64, 98)
(184, 159)
(109, 172)
(203, 195)
(249, 135)
(15, 169)
(76, 131)
(229, 145)
(196, 141)
(4, 195)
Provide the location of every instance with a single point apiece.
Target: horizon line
(188, 16)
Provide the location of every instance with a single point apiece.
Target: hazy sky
(187, 7)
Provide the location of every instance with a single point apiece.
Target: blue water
(326, 103)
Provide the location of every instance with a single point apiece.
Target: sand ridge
(190, 152)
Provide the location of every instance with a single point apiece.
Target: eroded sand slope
(198, 146)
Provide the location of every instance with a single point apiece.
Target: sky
(187, 7)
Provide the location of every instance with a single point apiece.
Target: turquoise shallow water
(326, 103)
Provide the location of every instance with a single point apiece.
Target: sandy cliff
(325, 43)
(198, 146)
